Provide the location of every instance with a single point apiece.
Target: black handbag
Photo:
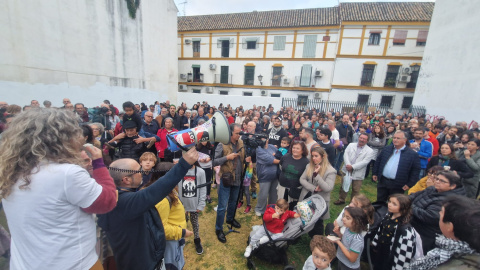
(227, 179)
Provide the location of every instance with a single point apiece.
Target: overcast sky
(203, 7)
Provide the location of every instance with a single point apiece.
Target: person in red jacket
(275, 218)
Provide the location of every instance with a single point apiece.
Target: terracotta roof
(362, 11)
(387, 11)
(261, 19)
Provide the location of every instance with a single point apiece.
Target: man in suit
(356, 158)
(396, 168)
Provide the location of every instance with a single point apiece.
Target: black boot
(198, 246)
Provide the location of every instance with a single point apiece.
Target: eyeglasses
(440, 180)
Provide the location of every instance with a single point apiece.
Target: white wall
(449, 81)
(90, 50)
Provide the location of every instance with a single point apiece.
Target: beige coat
(326, 183)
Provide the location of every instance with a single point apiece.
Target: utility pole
(184, 3)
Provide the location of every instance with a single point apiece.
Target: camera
(251, 143)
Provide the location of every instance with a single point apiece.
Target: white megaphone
(215, 130)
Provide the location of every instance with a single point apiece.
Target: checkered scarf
(446, 248)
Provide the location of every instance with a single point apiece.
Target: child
(132, 115)
(394, 242)
(127, 145)
(247, 180)
(147, 161)
(205, 152)
(284, 146)
(193, 199)
(323, 252)
(361, 129)
(360, 201)
(351, 245)
(275, 217)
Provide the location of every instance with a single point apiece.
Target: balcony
(303, 82)
(276, 81)
(223, 78)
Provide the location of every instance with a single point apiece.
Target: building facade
(361, 52)
(87, 51)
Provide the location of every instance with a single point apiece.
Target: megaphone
(215, 130)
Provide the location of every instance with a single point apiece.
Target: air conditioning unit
(183, 76)
(263, 93)
(318, 73)
(188, 41)
(182, 87)
(317, 95)
(286, 81)
(405, 78)
(209, 89)
(213, 66)
(407, 70)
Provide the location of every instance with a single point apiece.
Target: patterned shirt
(353, 242)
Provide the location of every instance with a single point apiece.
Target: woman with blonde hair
(48, 197)
(318, 178)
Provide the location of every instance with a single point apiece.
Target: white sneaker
(248, 251)
(258, 214)
(263, 240)
(215, 208)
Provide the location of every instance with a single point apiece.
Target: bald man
(134, 228)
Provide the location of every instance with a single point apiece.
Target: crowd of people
(64, 170)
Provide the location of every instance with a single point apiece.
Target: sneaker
(339, 202)
(258, 214)
(198, 246)
(248, 251)
(208, 200)
(150, 144)
(215, 208)
(240, 203)
(254, 195)
(247, 209)
(263, 240)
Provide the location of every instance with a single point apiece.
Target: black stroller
(274, 251)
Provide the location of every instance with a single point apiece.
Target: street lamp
(260, 77)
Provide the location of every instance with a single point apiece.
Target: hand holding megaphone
(191, 156)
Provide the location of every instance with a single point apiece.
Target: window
(247, 94)
(279, 43)
(374, 39)
(196, 91)
(302, 100)
(277, 76)
(392, 74)
(367, 75)
(309, 46)
(250, 43)
(400, 37)
(407, 102)
(225, 44)
(249, 75)
(196, 48)
(224, 74)
(306, 76)
(386, 101)
(422, 38)
(413, 76)
(223, 92)
(274, 95)
(363, 99)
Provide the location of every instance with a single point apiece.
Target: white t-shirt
(335, 135)
(48, 228)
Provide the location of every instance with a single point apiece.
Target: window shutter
(219, 42)
(196, 39)
(306, 75)
(244, 43)
(279, 42)
(309, 46)
(422, 36)
(400, 36)
(231, 42)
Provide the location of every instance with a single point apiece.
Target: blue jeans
(339, 161)
(227, 196)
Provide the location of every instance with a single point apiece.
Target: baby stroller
(275, 251)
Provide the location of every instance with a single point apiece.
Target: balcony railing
(303, 82)
(223, 78)
(277, 82)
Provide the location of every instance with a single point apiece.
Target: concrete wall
(87, 51)
(449, 80)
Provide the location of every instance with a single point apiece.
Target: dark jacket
(342, 131)
(101, 118)
(129, 148)
(455, 165)
(179, 122)
(426, 205)
(134, 228)
(408, 167)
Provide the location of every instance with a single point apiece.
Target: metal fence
(344, 106)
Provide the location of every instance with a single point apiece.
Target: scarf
(443, 161)
(275, 130)
(446, 248)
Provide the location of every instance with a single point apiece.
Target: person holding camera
(267, 176)
(230, 158)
